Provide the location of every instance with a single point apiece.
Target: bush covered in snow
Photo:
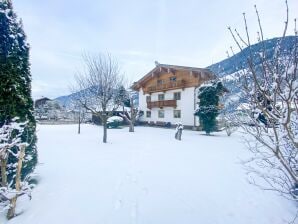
(114, 121)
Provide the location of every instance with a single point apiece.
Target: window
(161, 96)
(177, 96)
(161, 113)
(173, 79)
(148, 113)
(148, 98)
(159, 82)
(177, 113)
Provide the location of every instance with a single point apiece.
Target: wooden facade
(169, 77)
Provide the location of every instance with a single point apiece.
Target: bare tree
(79, 112)
(133, 114)
(79, 116)
(97, 86)
(271, 90)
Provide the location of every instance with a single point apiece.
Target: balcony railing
(179, 84)
(162, 103)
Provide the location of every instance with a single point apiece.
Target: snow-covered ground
(146, 177)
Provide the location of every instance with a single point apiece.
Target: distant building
(167, 94)
(47, 109)
(41, 102)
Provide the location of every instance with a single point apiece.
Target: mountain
(238, 61)
(66, 101)
(229, 70)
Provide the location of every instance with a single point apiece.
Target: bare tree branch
(96, 86)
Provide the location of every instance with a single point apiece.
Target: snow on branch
(270, 116)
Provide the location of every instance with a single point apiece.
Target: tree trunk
(3, 172)
(79, 128)
(131, 127)
(13, 201)
(104, 124)
(132, 119)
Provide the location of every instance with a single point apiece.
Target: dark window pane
(177, 113)
(177, 96)
(161, 96)
(161, 113)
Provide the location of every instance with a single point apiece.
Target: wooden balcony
(179, 84)
(161, 104)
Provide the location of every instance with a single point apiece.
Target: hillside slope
(229, 70)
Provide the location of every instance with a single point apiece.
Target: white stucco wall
(186, 105)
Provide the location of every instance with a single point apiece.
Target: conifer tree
(208, 105)
(15, 85)
(122, 97)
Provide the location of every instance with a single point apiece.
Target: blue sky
(137, 33)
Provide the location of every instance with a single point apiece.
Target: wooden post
(13, 201)
(3, 172)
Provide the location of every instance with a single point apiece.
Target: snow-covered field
(146, 177)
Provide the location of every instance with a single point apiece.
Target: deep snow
(145, 177)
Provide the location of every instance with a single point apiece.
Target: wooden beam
(195, 74)
(173, 71)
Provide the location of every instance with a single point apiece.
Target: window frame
(148, 112)
(174, 114)
(148, 97)
(160, 82)
(173, 79)
(161, 94)
(175, 94)
(159, 113)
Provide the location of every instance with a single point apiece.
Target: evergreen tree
(15, 85)
(122, 97)
(208, 105)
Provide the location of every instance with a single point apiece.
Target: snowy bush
(229, 126)
(178, 133)
(114, 121)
